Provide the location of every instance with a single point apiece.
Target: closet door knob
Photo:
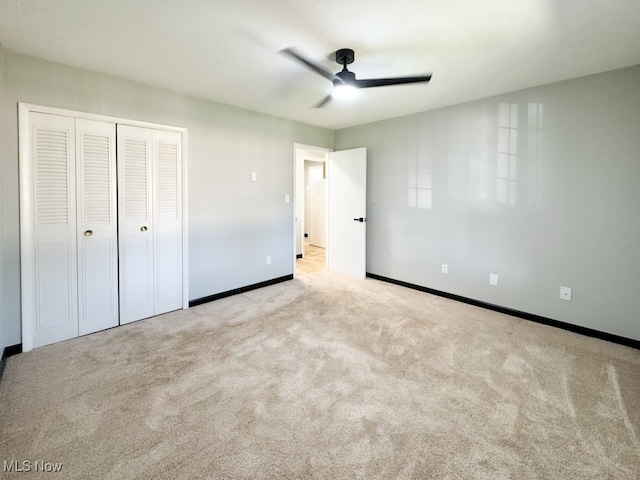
(143, 228)
(88, 233)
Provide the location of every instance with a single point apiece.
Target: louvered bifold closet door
(48, 232)
(135, 223)
(167, 215)
(150, 222)
(97, 228)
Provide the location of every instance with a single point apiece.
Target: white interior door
(97, 228)
(347, 202)
(134, 219)
(48, 231)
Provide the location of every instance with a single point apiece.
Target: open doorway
(345, 232)
(310, 208)
(315, 218)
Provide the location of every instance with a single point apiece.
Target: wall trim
(236, 291)
(9, 352)
(589, 332)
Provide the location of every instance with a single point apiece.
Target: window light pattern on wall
(507, 162)
(419, 173)
(535, 113)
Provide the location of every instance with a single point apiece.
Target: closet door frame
(26, 189)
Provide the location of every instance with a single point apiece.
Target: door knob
(143, 228)
(360, 219)
(88, 233)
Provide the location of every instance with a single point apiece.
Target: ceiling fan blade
(316, 68)
(323, 102)
(381, 82)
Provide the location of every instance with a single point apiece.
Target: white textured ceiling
(227, 50)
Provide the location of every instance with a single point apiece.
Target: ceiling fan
(345, 82)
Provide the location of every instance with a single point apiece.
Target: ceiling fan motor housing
(346, 76)
(345, 56)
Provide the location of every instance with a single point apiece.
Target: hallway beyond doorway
(313, 260)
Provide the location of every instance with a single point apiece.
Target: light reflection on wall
(535, 114)
(419, 172)
(479, 176)
(507, 166)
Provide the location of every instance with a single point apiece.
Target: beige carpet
(326, 377)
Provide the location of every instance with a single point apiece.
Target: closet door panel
(167, 221)
(97, 228)
(48, 216)
(169, 275)
(135, 223)
(55, 287)
(135, 262)
(98, 294)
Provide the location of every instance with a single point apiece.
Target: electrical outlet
(254, 176)
(268, 260)
(493, 279)
(445, 269)
(565, 294)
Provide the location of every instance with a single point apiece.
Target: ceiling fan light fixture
(345, 83)
(344, 90)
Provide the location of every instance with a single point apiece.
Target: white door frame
(24, 136)
(301, 153)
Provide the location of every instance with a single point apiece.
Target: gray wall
(233, 223)
(540, 186)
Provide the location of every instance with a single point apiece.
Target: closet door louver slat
(96, 179)
(135, 155)
(52, 172)
(168, 182)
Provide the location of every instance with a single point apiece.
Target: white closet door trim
(26, 205)
(28, 107)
